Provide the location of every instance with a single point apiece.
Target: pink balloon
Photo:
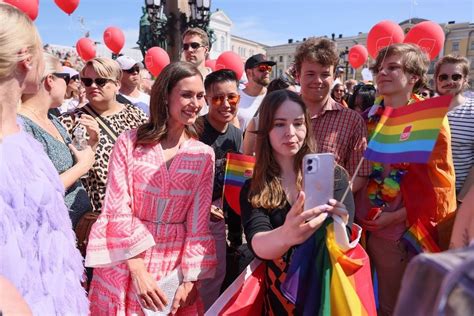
(383, 34)
(29, 7)
(429, 36)
(358, 55)
(156, 58)
(85, 48)
(114, 39)
(211, 63)
(68, 6)
(232, 61)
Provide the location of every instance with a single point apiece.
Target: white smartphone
(318, 179)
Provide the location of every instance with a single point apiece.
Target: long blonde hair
(266, 190)
(17, 32)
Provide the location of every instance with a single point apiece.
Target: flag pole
(349, 187)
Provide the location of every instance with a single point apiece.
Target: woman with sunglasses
(101, 79)
(452, 77)
(75, 96)
(46, 128)
(154, 226)
(37, 244)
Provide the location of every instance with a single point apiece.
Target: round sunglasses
(454, 77)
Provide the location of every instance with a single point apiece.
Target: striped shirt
(461, 122)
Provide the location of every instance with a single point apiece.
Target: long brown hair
(157, 128)
(266, 190)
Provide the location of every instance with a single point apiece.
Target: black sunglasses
(61, 75)
(454, 77)
(75, 78)
(100, 82)
(133, 70)
(193, 45)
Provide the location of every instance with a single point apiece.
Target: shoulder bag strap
(104, 126)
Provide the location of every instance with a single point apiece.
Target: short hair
(104, 67)
(222, 75)
(17, 32)
(414, 60)
(199, 32)
(451, 59)
(316, 50)
(157, 127)
(279, 83)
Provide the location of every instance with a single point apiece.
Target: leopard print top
(95, 181)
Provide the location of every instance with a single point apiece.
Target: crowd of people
(111, 191)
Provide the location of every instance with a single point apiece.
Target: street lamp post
(163, 22)
(344, 55)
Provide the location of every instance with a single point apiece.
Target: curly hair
(316, 50)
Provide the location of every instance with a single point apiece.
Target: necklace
(380, 190)
(45, 124)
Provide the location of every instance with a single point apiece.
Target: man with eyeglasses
(130, 83)
(452, 77)
(223, 98)
(257, 69)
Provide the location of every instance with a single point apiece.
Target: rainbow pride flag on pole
(419, 239)
(409, 133)
(238, 169)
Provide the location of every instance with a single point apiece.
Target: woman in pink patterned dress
(156, 212)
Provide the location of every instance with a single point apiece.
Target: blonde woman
(37, 244)
(46, 128)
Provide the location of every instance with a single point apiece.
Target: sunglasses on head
(219, 100)
(263, 68)
(133, 70)
(100, 82)
(61, 75)
(193, 45)
(454, 77)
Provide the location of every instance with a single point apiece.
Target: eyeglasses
(61, 75)
(219, 100)
(454, 77)
(193, 45)
(75, 78)
(133, 70)
(263, 68)
(100, 82)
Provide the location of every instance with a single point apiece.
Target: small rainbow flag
(409, 133)
(238, 169)
(418, 238)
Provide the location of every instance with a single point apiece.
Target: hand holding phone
(318, 179)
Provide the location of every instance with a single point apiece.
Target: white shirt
(142, 102)
(248, 106)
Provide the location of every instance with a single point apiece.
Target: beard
(263, 81)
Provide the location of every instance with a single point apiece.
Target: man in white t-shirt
(130, 83)
(258, 70)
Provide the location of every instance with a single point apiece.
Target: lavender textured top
(37, 244)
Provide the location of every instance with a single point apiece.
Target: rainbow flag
(409, 133)
(238, 169)
(419, 239)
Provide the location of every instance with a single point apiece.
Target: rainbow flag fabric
(238, 169)
(409, 133)
(419, 239)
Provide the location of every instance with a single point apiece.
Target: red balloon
(211, 63)
(429, 36)
(29, 7)
(68, 6)
(358, 55)
(85, 48)
(114, 39)
(383, 34)
(232, 61)
(156, 58)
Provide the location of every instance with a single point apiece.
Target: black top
(222, 143)
(257, 220)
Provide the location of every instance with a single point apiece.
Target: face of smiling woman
(186, 100)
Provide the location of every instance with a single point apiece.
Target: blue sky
(269, 22)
